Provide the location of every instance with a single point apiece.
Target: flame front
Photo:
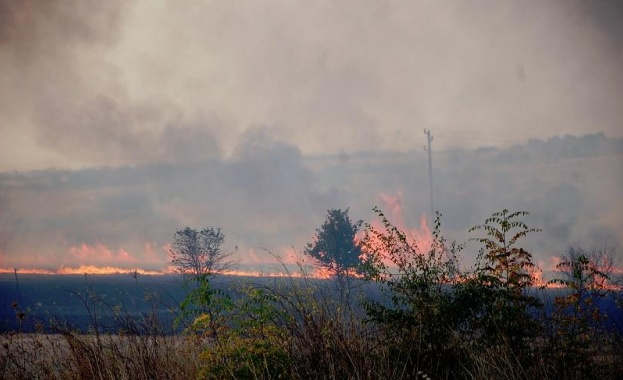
(419, 237)
(84, 269)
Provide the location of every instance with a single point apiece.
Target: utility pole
(430, 173)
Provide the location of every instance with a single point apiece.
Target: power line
(485, 139)
(471, 132)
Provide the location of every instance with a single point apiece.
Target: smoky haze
(269, 196)
(122, 121)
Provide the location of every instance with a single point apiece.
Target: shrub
(499, 287)
(422, 311)
(578, 336)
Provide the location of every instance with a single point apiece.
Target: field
(116, 326)
(65, 298)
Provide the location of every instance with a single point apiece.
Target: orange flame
(420, 237)
(107, 270)
(600, 282)
(537, 275)
(288, 264)
(92, 259)
(83, 269)
(96, 259)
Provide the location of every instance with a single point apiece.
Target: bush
(423, 311)
(499, 287)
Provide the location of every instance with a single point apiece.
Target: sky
(122, 121)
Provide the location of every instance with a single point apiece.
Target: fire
(91, 259)
(289, 264)
(83, 269)
(107, 270)
(96, 259)
(420, 237)
(537, 275)
(27, 271)
(600, 282)
(90, 269)
(99, 255)
(289, 257)
(317, 274)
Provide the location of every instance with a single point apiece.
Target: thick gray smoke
(91, 83)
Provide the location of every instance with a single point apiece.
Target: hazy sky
(92, 83)
(252, 116)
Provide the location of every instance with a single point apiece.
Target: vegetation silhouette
(418, 314)
(200, 252)
(336, 250)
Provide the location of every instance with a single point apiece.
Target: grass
(295, 329)
(87, 356)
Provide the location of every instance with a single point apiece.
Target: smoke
(268, 196)
(263, 197)
(89, 83)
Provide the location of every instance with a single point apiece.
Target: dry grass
(297, 331)
(79, 356)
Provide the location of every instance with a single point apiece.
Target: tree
(334, 247)
(200, 253)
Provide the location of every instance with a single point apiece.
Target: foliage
(253, 346)
(206, 306)
(330, 338)
(420, 286)
(199, 252)
(296, 328)
(594, 268)
(436, 310)
(335, 248)
(577, 317)
(501, 282)
(436, 322)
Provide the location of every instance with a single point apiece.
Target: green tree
(335, 248)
